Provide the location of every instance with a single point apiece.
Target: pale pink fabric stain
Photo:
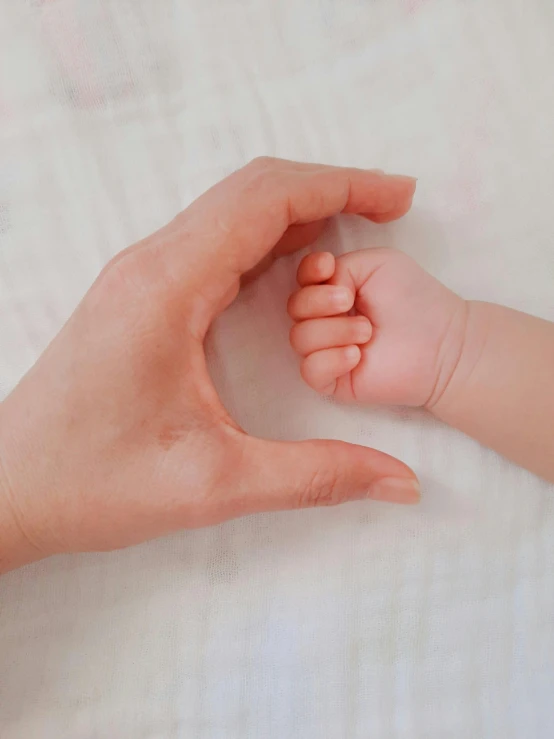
(413, 6)
(466, 185)
(80, 62)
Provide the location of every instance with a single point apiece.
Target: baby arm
(502, 390)
(372, 326)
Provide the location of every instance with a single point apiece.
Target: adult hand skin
(117, 434)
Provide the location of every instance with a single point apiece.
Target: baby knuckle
(296, 336)
(292, 303)
(309, 376)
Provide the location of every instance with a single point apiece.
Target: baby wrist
(455, 389)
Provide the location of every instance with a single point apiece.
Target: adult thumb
(288, 475)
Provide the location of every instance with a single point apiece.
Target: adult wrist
(16, 545)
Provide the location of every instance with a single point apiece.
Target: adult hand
(117, 435)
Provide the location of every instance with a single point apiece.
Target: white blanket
(368, 621)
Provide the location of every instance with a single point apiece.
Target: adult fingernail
(395, 490)
(402, 178)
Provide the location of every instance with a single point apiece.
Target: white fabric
(435, 622)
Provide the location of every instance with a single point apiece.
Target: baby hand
(373, 327)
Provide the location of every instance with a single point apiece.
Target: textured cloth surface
(367, 621)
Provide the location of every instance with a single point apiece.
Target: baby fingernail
(364, 330)
(395, 490)
(352, 353)
(342, 297)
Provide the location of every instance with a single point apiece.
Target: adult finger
(296, 237)
(240, 220)
(279, 476)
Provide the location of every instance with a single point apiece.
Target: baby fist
(373, 327)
